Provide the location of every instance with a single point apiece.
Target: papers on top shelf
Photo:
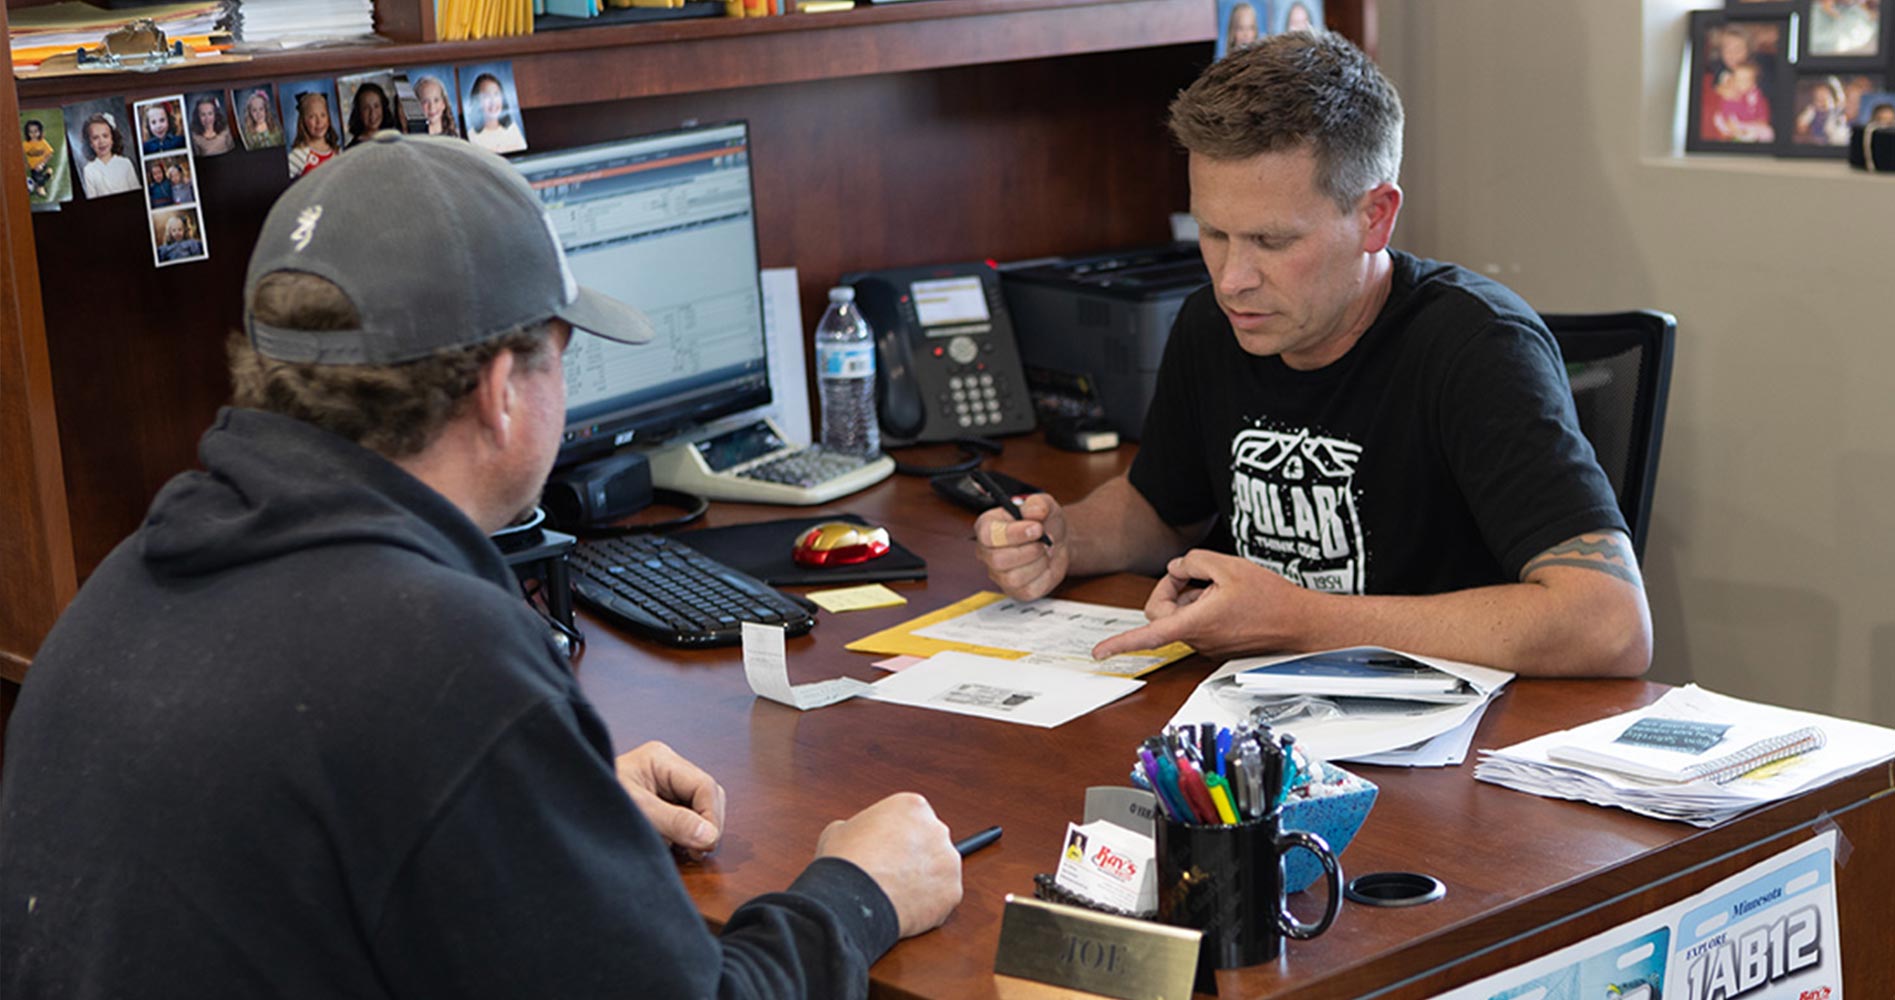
(1007, 690)
(994, 625)
(1531, 766)
(1396, 731)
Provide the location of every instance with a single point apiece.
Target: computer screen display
(665, 223)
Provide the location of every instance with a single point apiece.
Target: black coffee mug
(1227, 881)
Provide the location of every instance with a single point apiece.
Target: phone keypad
(976, 398)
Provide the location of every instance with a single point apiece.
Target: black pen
(977, 841)
(1005, 501)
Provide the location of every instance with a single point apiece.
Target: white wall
(1539, 149)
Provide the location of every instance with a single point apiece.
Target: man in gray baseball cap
(299, 734)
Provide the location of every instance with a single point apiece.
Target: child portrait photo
(309, 124)
(371, 103)
(177, 236)
(437, 108)
(43, 138)
(259, 126)
(1296, 15)
(161, 125)
(209, 123)
(492, 107)
(102, 146)
(1240, 24)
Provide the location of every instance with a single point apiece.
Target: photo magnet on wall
(259, 125)
(309, 124)
(437, 105)
(207, 118)
(43, 139)
(492, 107)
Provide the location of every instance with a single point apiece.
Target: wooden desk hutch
(1038, 121)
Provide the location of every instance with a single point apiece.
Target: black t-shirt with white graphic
(1440, 453)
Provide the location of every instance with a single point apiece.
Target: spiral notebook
(1659, 744)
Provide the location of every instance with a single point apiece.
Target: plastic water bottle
(845, 370)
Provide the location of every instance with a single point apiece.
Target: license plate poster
(1768, 933)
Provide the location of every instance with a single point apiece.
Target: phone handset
(897, 393)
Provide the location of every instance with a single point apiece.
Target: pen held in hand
(1005, 501)
(977, 841)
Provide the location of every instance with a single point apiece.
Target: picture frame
(1843, 35)
(1822, 107)
(1759, 8)
(1739, 84)
(1868, 105)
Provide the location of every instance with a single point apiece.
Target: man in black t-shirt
(1374, 449)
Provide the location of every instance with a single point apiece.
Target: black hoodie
(299, 736)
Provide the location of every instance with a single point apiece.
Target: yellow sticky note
(869, 595)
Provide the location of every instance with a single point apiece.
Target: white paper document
(1053, 627)
(1349, 728)
(768, 671)
(783, 330)
(1529, 767)
(1007, 690)
(1446, 750)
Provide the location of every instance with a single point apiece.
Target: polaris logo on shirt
(1294, 498)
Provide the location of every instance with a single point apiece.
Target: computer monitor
(664, 222)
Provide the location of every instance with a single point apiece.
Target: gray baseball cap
(437, 243)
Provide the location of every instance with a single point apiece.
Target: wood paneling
(859, 172)
(36, 564)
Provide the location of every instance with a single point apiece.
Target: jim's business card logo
(1294, 499)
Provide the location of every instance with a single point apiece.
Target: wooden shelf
(586, 65)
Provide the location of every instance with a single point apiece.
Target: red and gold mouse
(839, 543)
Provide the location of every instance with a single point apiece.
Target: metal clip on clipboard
(140, 46)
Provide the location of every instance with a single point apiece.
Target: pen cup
(1227, 881)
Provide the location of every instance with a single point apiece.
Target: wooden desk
(1525, 875)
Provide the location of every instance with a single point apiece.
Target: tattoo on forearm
(1603, 553)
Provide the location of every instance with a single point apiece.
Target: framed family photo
(1822, 109)
(1843, 35)
(1739, 84)
(1760, 8)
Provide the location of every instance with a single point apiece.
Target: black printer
(1101, 322)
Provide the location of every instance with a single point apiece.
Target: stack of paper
(1692, 755)
(293, 23)
(38, 33)
(1368, 704)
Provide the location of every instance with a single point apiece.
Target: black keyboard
(665, 590)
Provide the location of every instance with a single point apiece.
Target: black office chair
(1620, 368)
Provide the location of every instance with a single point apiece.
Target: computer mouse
(839, 543)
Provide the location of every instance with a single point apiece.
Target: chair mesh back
(1620, 368)
(1606, 391)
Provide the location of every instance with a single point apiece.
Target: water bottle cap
(842, 293)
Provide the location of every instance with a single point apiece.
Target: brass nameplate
(1096, 952)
